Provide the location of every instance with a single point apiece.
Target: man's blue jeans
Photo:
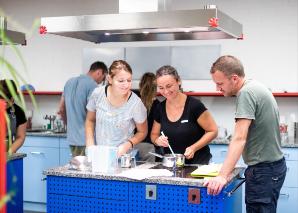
(263, 184)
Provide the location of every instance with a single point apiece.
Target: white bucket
(104, 159)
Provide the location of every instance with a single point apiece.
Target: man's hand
(215, 185)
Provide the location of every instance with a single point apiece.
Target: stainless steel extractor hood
(12, 37)
(199, 24)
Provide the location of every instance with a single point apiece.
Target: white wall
(268, 51)
(50, 59)
(223, 109)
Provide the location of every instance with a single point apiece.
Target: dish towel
(211, 170)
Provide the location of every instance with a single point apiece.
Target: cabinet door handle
(286, 155)
(286, 195)
(37, 153)
(288, 169)
(223, 152)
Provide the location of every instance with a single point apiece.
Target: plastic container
(296, 131)
(283, 128)
(104, 159)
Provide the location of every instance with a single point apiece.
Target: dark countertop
(15, 156)
(181, 176)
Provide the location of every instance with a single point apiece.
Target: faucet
(51, 118)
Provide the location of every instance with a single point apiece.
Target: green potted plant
(8, 71)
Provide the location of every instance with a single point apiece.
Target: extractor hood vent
(12, 37)
(199, 24)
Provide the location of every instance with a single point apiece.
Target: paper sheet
(140, 174)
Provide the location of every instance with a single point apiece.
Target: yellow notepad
(211, 170)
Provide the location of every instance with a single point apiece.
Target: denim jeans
(263, 184)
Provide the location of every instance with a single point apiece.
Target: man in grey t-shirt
(73, 103)
(256, 137)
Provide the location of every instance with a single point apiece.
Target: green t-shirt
(255, 102)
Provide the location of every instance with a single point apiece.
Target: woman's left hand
(123, 148)
(189, 152)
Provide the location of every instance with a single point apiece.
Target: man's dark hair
(98, 65)
(5, 85)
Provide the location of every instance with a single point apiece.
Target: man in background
(72, 107)
(256, 137)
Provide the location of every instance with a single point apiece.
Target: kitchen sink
(44, 131)
(37, 130)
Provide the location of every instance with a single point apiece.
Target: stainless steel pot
(127, 161)
(168, 160)
(79, 163)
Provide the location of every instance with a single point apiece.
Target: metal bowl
(170, 161)
(79, 163)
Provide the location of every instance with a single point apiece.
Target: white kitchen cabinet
(42, 153)
(287, 201)
(219, 153)
(64, 152)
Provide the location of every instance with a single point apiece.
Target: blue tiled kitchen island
(84, 191)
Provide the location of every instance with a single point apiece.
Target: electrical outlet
(194, 196)
(151, 192)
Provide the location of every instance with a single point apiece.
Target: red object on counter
(2, 154)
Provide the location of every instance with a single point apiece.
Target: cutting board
(211, 170)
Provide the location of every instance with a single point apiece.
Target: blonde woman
(114, 111)
(147, 93)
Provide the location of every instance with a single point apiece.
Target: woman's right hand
(89, 151)
(123, 148)
(162, 141)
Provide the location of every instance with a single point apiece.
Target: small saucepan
(168, 160)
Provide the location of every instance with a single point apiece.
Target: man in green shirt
(256, 137)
